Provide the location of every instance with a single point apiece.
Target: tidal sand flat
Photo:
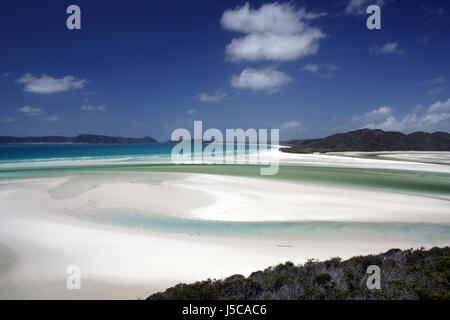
(140, 227)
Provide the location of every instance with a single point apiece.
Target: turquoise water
(305, 230)
(124, 156)
(16, 153)
(424, 184)
(430, 183)
(24, 153)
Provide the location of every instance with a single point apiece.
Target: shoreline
(47, 232)
(332, 160)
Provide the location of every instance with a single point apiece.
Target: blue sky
(140, 68)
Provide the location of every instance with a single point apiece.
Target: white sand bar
(43, 229)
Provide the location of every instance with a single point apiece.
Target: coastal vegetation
(372, 140)
(407, 275)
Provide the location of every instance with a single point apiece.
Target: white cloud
(277, 32)
(272, 18)
(311, 67)
(93, 108)
(387, 49)
(260, 79)
(325, 70)
(376, 115)
(256, 47)
(211, 97)
(440, 107)
(434, 118)
(50, 118)
(434, 91)
(191, 111)
(46, 84)
(290, 129)
(359, 7)
(291, 125)
(29, 111)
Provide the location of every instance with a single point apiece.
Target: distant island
(372, 140)
(405, 275)
(82, 138)
(359, 140)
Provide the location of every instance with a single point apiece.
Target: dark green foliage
(373, 140)
(322, 279)
(409, 274)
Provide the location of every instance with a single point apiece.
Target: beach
(137, 228)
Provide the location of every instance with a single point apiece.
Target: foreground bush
(410, 274)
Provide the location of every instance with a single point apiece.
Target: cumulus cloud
(29, 111)
(211, 97)
(257, 47)
(390, 48)
(93, 108)
(434, 118)
(375, 115)
(440, 107)
(46, 84)
(260, 79)
(276, 32)
(358, 7)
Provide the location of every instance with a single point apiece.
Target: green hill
(82, 138)
(373, 140)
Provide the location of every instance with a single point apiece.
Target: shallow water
(86, 177)
(54, 153)
(309, 230)
(394, 180)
